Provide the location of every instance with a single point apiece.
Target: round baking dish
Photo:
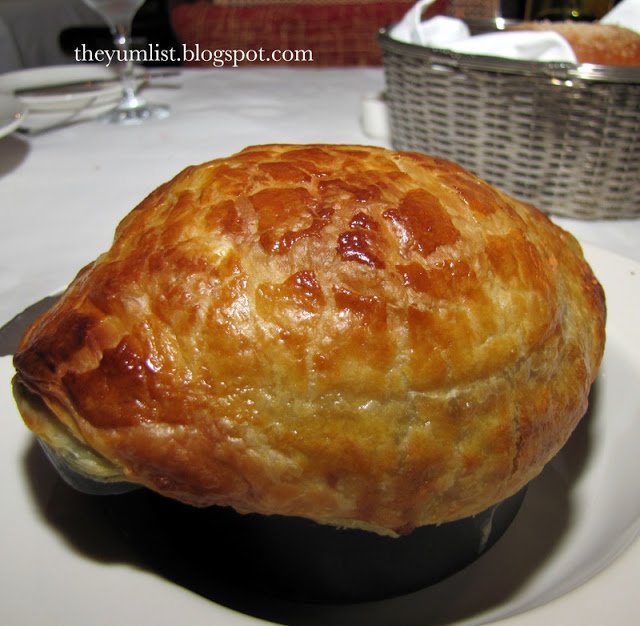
(297, 559)
(288, 557)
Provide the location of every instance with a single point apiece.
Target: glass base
(136, 115)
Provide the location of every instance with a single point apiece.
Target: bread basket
(562, 136)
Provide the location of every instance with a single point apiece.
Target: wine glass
(133, 108)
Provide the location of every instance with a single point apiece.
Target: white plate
(570, 556)
(58, 76)
(12, 113)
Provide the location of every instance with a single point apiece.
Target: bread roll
(360, 337)
(592, 42)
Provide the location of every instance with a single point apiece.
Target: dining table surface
(62, 193)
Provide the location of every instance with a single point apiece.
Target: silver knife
(12, 331)
(65, 89)
(90, 85)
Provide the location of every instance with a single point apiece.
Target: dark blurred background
(151, 27)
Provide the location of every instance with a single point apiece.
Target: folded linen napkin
(625, 13)
(452, 34)
(438, 32)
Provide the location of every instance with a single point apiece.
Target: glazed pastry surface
(358, 336)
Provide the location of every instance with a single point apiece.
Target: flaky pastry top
(354, 335)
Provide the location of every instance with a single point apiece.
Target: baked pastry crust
(358, 336)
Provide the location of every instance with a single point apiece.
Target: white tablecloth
(61, 196)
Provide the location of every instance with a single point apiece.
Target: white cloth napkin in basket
(625, 13)
(452, 34)
(449, 33)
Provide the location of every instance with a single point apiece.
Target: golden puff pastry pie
(357, 336)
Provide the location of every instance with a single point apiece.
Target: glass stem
(122, 41)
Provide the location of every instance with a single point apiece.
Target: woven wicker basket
(564, 137)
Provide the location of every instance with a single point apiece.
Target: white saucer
(12, 114)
